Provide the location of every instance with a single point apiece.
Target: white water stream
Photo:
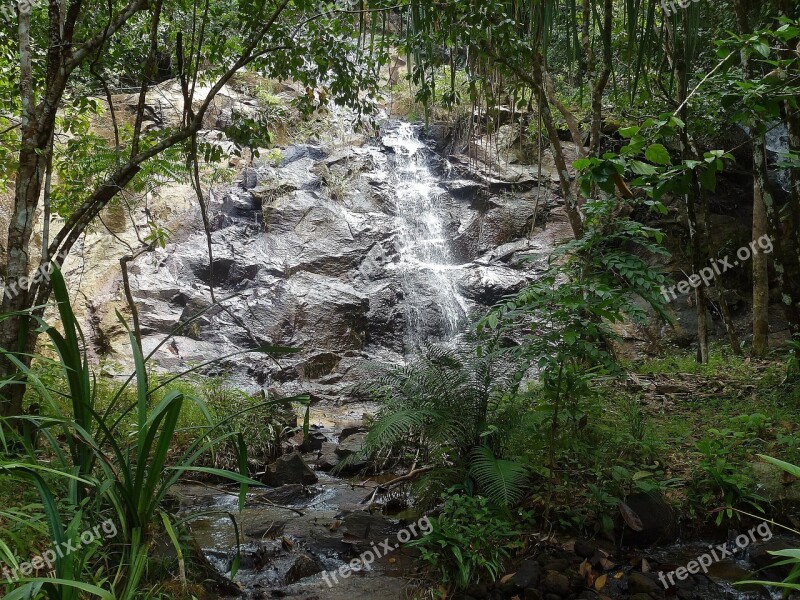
(426, 260)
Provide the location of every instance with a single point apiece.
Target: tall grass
(118, 463)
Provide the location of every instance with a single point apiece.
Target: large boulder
(647, 519)
(289, 470)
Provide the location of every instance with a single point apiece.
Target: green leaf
(793, 470)
(658, 154)
(503, 481)
(641, 168)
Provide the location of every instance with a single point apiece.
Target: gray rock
(368, 527)
(327, 458)
(556, 583)
(286, 495)
(288, 470)
(353, 444)
(303, 566)
(528, 574)
(639, 583)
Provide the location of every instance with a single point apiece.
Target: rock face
(308, 254)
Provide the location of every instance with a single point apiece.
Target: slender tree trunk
(761, 199)
(564, 177)
(602, 81)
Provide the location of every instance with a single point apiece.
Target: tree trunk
(565, 179)
(601, 82)
(761, 200)
(14, 331)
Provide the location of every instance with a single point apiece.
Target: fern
(502, 481)
(393, 427)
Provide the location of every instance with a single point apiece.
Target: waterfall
(434, 308)
(777, 141)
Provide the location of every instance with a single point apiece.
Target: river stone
(639, 583)
(354, 444)
(556, 583)
(315, 441)
(584, 549)
(288, 470)
(527, 575)
(303, 566)
(273, 530)
(659, 523)
(761, 557)
(781, 493)
(350, 431)
(286, 495)
(327, 458)
(368, 527)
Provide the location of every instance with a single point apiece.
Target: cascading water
(434, 308)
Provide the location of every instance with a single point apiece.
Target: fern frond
(502, 481)
(392, 427)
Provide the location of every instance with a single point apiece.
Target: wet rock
(309, 249)
(584, 549)
(656, 520)
(327, 458)
(286, 495)
(782, 492)
(488, 285)
(288, 470)
(558, 564)
(273, 530)
(527, 575)
(353, 444)
(303, 566)
(295, 153)
(639, 583)
(239, 205)
(555, 583)
(368, 527)
(350, 431)
(761, 557)
(463, 188)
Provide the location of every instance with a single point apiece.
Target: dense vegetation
(540, 418)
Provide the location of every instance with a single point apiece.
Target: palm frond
(502, 481)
